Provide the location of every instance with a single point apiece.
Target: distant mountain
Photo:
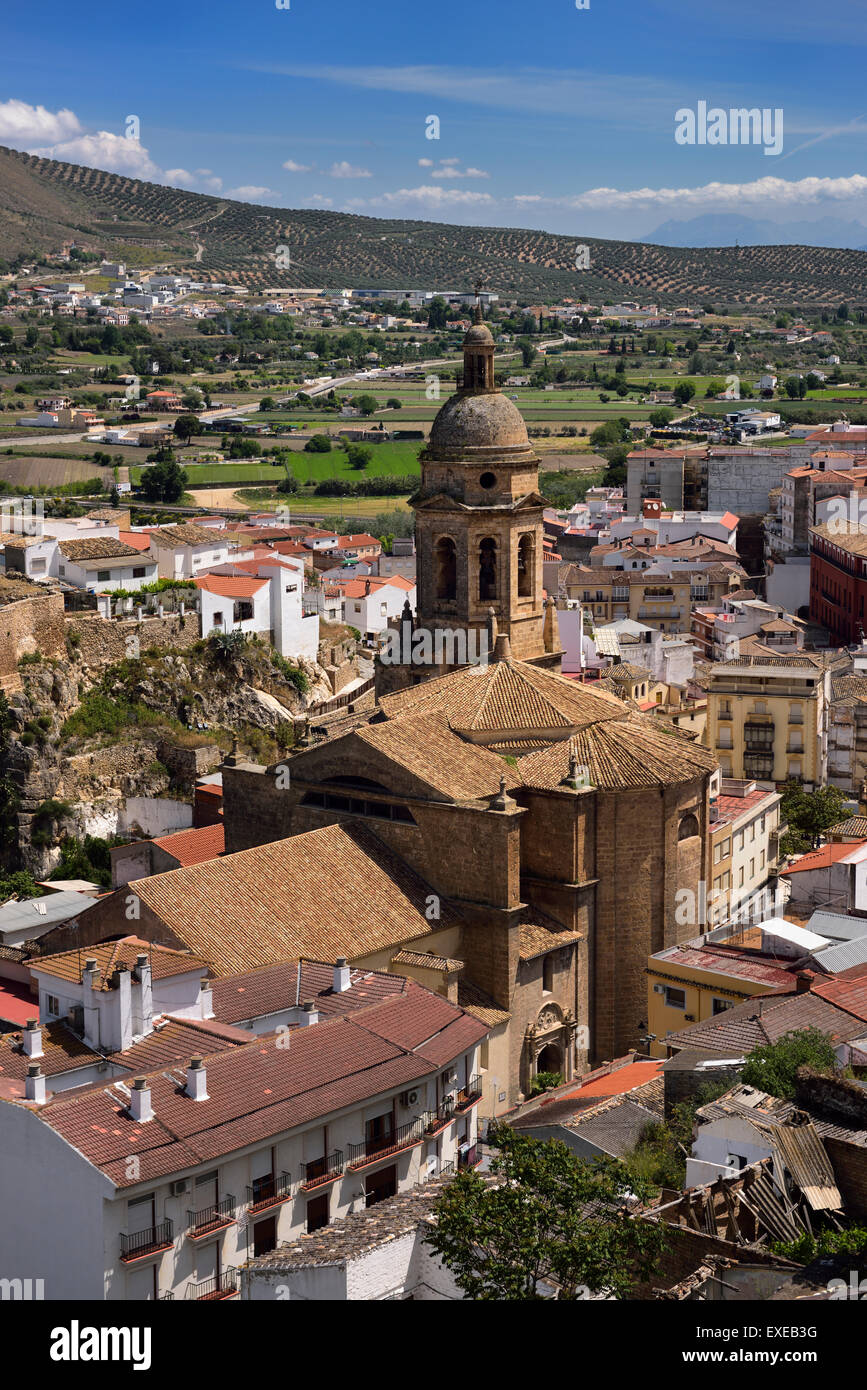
(46, 202)
(729, 229)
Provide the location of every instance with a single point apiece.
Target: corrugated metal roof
(803, 1153)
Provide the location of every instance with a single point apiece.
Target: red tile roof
(848, 990)
(230, 586)
(139, 540)
(823, 857)
(261, 1090)
(613, 1083)
(194, 846)
(16, 1002)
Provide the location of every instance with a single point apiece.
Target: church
(551, 824)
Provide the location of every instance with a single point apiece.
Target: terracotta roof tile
(68, 965)
(194, 846)
(334, 891)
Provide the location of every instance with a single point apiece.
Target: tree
(393, 403)
(366, 403)
(267, 403)
(437, 312)
(772, 1067)
(318, 444)
(359, 456)
(165, 480)
(684, 392)
(528, 353)
(186, 426)
(808, 815)
(659, 418)
(549, 1216)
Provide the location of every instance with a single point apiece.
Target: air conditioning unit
(182, 1185)
(409, 1098)
(659, 989)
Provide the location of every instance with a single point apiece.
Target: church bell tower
(479, 532)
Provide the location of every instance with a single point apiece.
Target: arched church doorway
(550, 1059)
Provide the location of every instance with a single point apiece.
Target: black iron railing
(222, 1285)
(469, 1094)
(438, 1119)
(383, 1144)
(218, 1214)
(266, 1192)
(152, 1238)
(322, 1170)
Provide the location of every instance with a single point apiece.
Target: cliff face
(80, 741)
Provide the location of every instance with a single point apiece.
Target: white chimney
(206, 994)
(34, 1086)
(142, 997)
(31, 1039)
(197, 1081)
(140, 1107)
(309, 1013)
(342, 973)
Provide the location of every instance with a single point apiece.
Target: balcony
(469, 1095)
(468, 1156)
(436, 1120)
(383, 1145)
(209, 1219)
(438, 1170)
(220, 1286)
(153, 1240)
(322, 1171)
(268, 1192)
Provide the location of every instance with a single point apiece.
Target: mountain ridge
(44, 202)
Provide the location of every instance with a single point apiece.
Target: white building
(201, 1150)
(101, 565)
(369, 604)
(183, 551)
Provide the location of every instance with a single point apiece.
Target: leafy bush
(545, 1081)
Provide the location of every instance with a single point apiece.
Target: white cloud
(448, 170)
(250, 193)
(768, 191)
(429, 195)
(425, 164)
(294, 168)
(344, 170)
(60, 135)
(22, 125)
(321, 201)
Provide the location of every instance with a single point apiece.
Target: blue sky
(550, 116)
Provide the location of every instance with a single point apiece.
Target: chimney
(34, 1086)
(31, 1039)
(142, 997)
(140, 1107)
(341, 975)
(803, 981)
(309, 1014)
(91, 970)
(206, 994)
(197, 1080)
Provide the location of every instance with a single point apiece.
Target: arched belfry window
(525, 566)
(446, 568)
(688, 827)
(487, 569)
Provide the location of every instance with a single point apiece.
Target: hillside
(44, 202)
